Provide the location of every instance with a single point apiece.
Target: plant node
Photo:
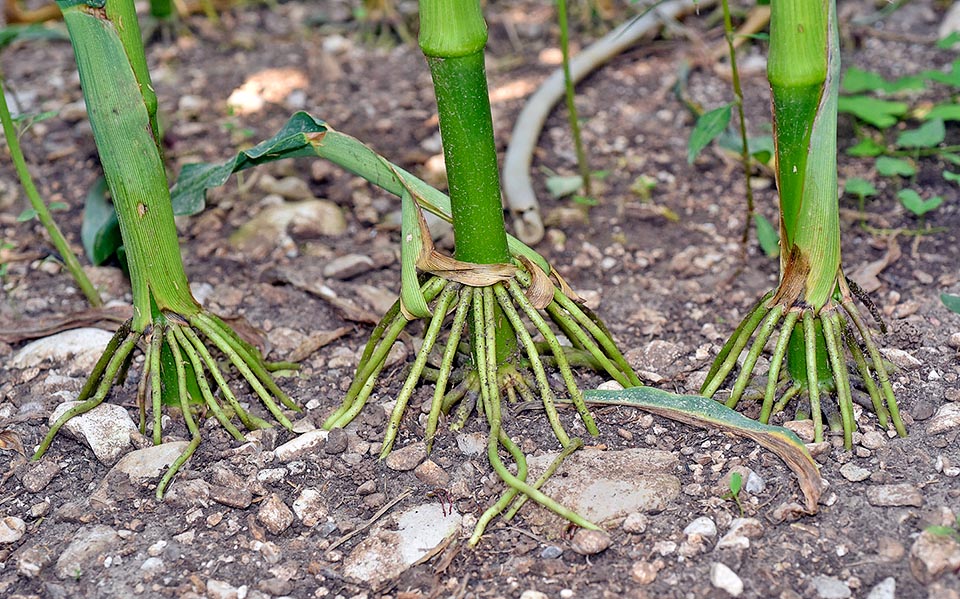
(176, 367)
(533, 306)
(811, 341)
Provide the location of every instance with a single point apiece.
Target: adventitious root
(176, 366)
(480, 380)
(811, 343)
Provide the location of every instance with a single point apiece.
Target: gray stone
(152, 565)
(400, 541)
(106, 429)
(532, 594)
(873, 440)
(235, 497)
(406, 458)
(39, 475)
(348, 266)
(86, 550)
(336, 441)
(551, 552)
(32, 560)
(300, 445)
(885, 589)
(77, 349)
(932, 555)
(12, 529)
(725, 579)
(274, 514)
(828, 587)
(802, 428)
(898, 495)
(740, 532)
(644, 572)
(901, 358)
(590, 542)
(292, 188)
(854, 473)
(150, 462)
(606, 485)
(268, 229)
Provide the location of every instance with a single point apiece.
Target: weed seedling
(736, 485)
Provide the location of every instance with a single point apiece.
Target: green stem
(569, 97)
(43, 214)
(122, 110)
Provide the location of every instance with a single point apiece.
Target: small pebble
(897, 495)
(873, 440)
(635, 523)
(702, 526)
(406, 458)
(531, 594)
(336, 441)
(12, 529)
(854, 473)
(725, 579)
(828, 587)
(590, 542)
(644, 572)
(551, 552)
(885, 589)
(274, 514)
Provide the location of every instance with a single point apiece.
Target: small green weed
(736, 485)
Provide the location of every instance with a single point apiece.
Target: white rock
(348, 266)
(106, 429)
(12, 529)
(310, 507)
(386, 553)
(531, 594)
(900, 357)
(406, 458)
(897, 495)
(635, 523)
(740, 532)
(885, 589)
(725, 579)
(606, 485)
(152, 565)
(828, 587)
(268, 228)
(274, 514)
(854, 473)
(296, 447)
(590, 542)
(218, 589)
(703, 526)
(85, 550)
(149, 462)
(931, 556)
(77, 349)
(947, 418)
(472, 444)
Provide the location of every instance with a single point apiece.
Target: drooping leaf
(857, 81)
(34, 31)
(767, 236)
(708, 127)
(891, 167)
(912, 201)
(951, 176)
(873, 111)
(952, 302)
(304, 135)
(866, 148)
(949, 41)
(100, 231)
(707, 413)
(859, 187)
(928, 135)
(951, 158)
(951, 78)
(412, 230)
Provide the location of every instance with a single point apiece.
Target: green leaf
(58, 206)
(948, 111)
(761, 148)
(952, 78)
(928, 135)
(949, 41)
(879, 113)
(559, 186)
(707, 413)
(736, 483)
(951, 176)
(856, 81)
(708, 127)
(952, 302)
(767, 236)
(912, 201)
(866, 148)
(951, 158)
(100, 231)
(411, 246)
(859, 187)
(28, 214)
(892, 167)
(36, 31)
(584, 200)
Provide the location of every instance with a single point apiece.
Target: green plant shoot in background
(813, 305)
(122, 108)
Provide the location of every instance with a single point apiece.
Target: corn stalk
(175, 329)
(813, 305)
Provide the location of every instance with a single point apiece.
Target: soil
(665, 272)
